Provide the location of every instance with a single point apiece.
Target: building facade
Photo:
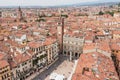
(72, 46)
(5, 70)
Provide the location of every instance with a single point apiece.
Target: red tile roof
(19, 58)
(3, 63)
(35, 44)
(99, 67)
(1, 56)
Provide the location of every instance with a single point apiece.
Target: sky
(46, 2)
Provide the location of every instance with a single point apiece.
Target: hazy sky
(45, 2)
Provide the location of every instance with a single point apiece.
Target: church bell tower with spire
(19, 17)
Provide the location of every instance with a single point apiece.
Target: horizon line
(81, 4)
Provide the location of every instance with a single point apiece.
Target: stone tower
(19, 17)
(60, 33)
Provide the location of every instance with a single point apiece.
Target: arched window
(76, 54)
(68, 53)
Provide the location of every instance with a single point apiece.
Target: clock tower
(60, 33)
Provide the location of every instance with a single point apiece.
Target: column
(74, 54)
(63, 52)
(51, 55)
(48, 55)
(77, 55)
(66, 53)
(70, 56)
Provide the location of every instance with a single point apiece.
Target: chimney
(84, 70)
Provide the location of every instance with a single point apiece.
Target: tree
(101, 13)
(64, 15)
(111, 13)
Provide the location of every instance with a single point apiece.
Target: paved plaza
(63, 67)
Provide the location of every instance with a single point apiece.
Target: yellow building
(5, 73)
(116, 57)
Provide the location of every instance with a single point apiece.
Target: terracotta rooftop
(102, 45)
(116, 32)
(1, 56)
(95, 66)
(89, 46)
(115, 46)
(3, 63)
(49, 41)
(35, 44)
(19, 58)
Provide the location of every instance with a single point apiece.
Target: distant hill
(72, 5)
(90, 4)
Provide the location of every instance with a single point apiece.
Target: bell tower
(60, 33)
(19, 14)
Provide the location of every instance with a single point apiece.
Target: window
(30, 61)
(22, 64)
(25, 63)
(37, 49)
(113, 51)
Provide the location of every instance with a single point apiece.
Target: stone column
(66, 53)
(48, 55)
(51, 55)
(74, 55)
(63, 52)
(70, 56)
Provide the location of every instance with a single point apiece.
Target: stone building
(115, 47)
(72, 45)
